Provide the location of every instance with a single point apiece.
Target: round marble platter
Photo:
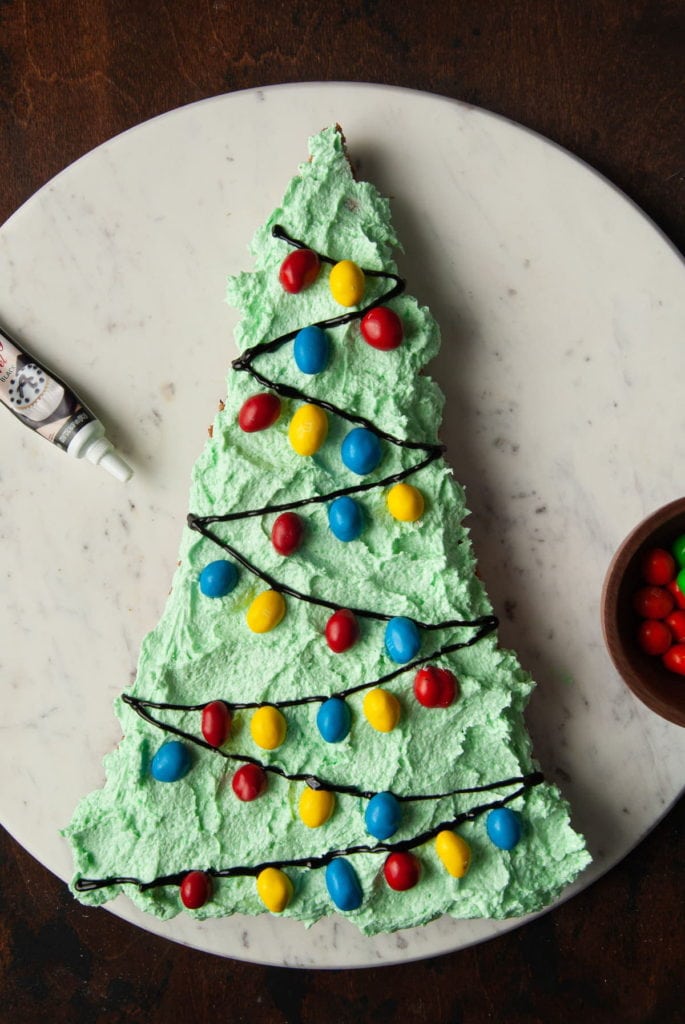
(561, 307)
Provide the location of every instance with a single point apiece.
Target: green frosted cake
(322, 721)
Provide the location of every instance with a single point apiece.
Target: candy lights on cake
(308, 429)
(347, 283)
(266, 611)
(316, 806)
(311, 350)
(216, 723)
(345, 518)
(434, 687)
(299, 270)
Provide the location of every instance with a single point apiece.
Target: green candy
(678, 552)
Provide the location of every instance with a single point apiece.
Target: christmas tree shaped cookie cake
(322, 721)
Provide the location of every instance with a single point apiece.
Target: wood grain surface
(605, 80)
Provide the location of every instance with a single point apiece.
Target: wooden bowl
(660, 689)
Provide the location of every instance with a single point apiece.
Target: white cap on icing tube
(115, 465)
(101, 453)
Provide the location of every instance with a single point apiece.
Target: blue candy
(333, 720)
(361, 451)
(383, 814)
(402, 639)
(345, 518)
(310, 350)
(343, 885)
(218, 578)
(171, 762)
(503, 827)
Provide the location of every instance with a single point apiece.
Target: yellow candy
(454, 852)
(266, 611)
(405, 503)
(308, 429)
(316, 806)
(347, 283)
(274, 889)
(268, 727)
(382, 709)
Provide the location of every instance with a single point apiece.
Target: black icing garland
(484, 625)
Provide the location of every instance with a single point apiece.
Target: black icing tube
(47, 405)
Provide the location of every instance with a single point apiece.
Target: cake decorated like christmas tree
(323, 721)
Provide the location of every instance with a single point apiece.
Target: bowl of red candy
(643, 611)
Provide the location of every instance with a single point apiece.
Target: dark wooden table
(602, 78)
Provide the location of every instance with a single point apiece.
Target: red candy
(435, 687)
(382, 328)
(654, 637)
(676, 593)
(249, 782)
(196, 889)
(676, 623)
(216, 723)
(674, 659)
(652, 602)
(658, 566)
(298, 270)
(401, 871)
(286, 533)
(342, 631)
(259, 412)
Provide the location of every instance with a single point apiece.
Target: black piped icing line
(313, 781)
(484, 625)
(88, 884)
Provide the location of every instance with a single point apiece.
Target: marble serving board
(561, 307)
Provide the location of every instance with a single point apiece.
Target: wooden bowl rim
(664, 698)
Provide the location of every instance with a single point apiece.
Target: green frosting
(202, 649)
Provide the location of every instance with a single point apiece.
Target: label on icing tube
(48, 406)
(38, 398)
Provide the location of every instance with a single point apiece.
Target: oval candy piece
(308, 429)
(382, 709)
(316, 806)
(435, 687)
(382, 328)
(311, 350)
(674, 659)
(383, 815)
(196, 890)
(405, 503)
(266, 611)
(342, 631)
(171, 762)
(287, 533)
(249, 782)
(503, 827)
(343, 884)
(274, 889)
(216, 723)
(361, 451)
(347, 283)
(259, 412)
(454, 852)
(402, 871)
(676, 593)
(218, 578)
(402, 639)
(345, 518)
(268, 727)
(299, 270)
(333, 720)
(658, 566)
